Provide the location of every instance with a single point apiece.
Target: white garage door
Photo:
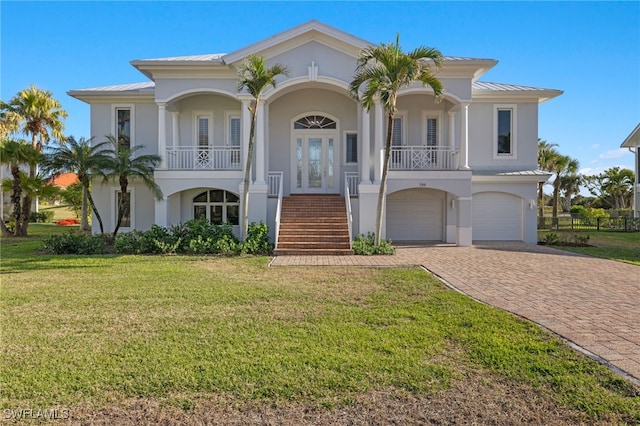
(497, 216)
(414, 215)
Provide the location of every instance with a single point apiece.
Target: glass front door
(315, 164)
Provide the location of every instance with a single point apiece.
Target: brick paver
(593, 303)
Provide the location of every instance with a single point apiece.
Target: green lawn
(621, 246)
(91, 331)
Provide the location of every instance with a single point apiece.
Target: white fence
(203, 158)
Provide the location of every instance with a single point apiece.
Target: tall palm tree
(546, 155)
(123, 164)
(384, 70)
(570, 185)
(16, 154)
(36, 113)
(84, 159)
(255, 76)
(562, 165)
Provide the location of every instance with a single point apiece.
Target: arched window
(314, 122)
(218, 206)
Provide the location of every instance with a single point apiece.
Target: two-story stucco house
(462, 169)
(632, 142)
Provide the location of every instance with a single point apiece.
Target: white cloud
(615, 153)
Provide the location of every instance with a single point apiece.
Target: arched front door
(315, 155)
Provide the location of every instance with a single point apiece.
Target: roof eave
(633, 140)
(542, 95)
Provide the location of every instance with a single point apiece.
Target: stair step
(313, 225)
(312, 252)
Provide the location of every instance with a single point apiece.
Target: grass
(60, 212)
(94, 330)
(620, 246)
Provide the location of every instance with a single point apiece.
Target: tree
(560, 166)
(546, 155)
(84, 159)
(570, 185)
(384, 70)
(613, 187)
(16, 154)
(255, 76)
(36, 113)
(123, 164)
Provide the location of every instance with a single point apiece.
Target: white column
(378, 141)
(365, 148)
(162, 134)
(161, 216)
(465, 136)
(246, 128)
(452, 139)
(260, 144)
(175, 128)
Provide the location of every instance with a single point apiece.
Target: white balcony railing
(352, 180)
(203, 158)
(422, 158)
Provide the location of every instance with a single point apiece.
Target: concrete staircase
(313, 225)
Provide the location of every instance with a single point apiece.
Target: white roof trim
(488, 89)
(633, 139)
(282, 37)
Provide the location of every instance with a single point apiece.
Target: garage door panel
(414, 215)
(497, 216)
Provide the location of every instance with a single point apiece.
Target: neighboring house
(632, 142)
(64, 180)
(462, 169)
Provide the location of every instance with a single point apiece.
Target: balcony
(423, 158)
(203, 158)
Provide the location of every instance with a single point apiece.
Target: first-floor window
(352, 148)
(218, 206)
(126, 216)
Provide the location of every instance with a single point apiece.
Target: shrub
(565, 239)
(366, 245)
(72, 197)
(41, 216)
(67, 222)
(550, 239)
(73, 243)
(590, 216)
(257, 241)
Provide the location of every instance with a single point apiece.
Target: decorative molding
(313, 71)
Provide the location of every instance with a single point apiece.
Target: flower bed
(67, 222)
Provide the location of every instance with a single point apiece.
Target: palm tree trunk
(383, 183)
(84, 222)
(556, 195)
(247, 173)
(5, 231)
(121, 205)
(26, 211)
(95, 211)
(16, 199)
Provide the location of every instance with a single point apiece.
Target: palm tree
(618, 183)
(384, 70)
(36, 113)
(562, 165)
(570, 185)
(84, 159)
(123, 164)
(546, 155)
(16, 154)
(255, 76)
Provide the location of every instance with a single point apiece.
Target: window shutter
(396, 136)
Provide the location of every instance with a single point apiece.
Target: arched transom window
(218, 206)
(314, 122)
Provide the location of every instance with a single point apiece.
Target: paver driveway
(594, 303)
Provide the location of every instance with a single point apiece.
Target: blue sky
(590, 50)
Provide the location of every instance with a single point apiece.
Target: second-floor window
(234, 137)
(123, 125)
(505, 131)
(431, 131)
(203, 131)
